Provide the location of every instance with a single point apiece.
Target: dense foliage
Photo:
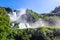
(4, 24)
(33, 14)
(8, 9)
(42, 33)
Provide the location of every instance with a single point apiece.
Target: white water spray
(21, 17)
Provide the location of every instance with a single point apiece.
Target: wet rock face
(28, 18)
(51, 22)
(54, 21)
(21, 16)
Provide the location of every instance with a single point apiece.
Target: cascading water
(18, 17)
(21, 17)
(13, 16)
(25, 20)
(39, 23)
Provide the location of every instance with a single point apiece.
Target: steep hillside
(30, 19)
(56, 10)
(28, 25)
(4, 24)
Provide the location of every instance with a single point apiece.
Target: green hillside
(42, 33)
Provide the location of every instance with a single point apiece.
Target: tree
(8, 9)
(4, 24)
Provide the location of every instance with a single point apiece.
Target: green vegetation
(34, 15)
(8, 9)
(42, 33)
(16, 25)
(43, 16)
(4, 24)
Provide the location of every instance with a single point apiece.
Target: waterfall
(39, 23)
(22, 17)
(13, 16)
(24, 25)
(19, 17)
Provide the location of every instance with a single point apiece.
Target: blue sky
(40, 6)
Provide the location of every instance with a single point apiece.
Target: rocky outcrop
(28, 19)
